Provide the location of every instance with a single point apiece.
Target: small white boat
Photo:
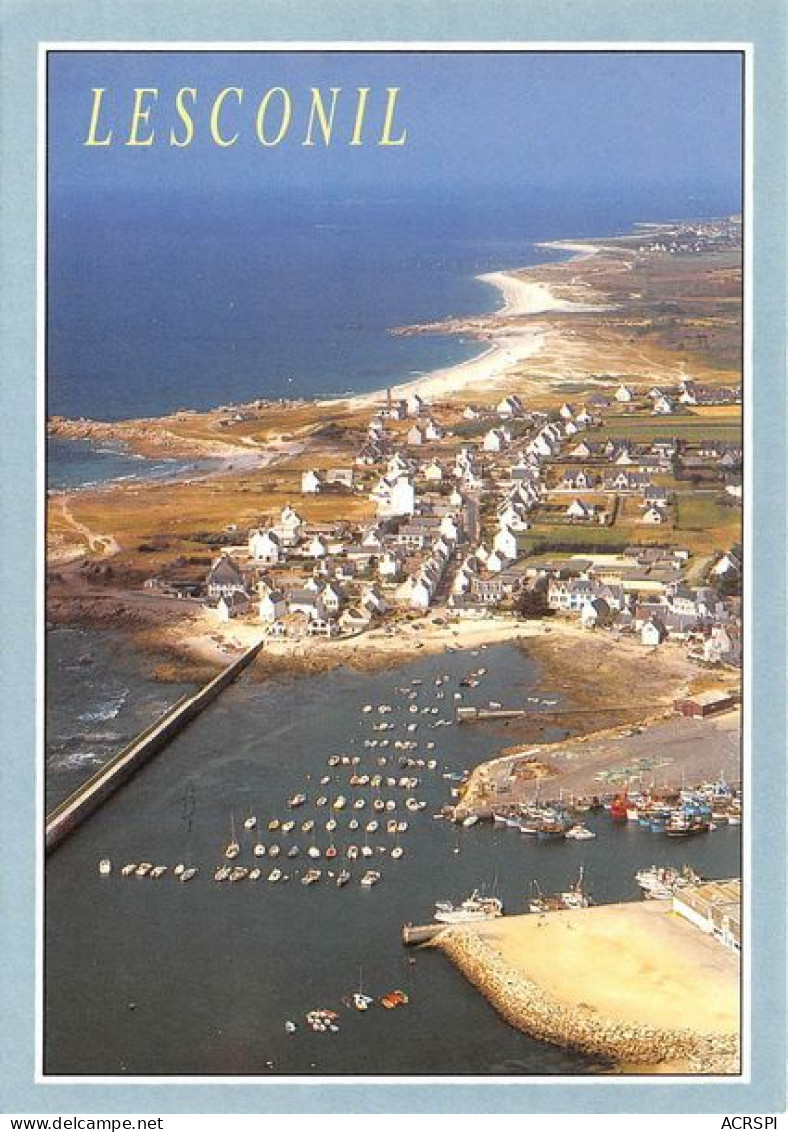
(293, 851)
(311, 876)
(352, 852)
(178, 869)
(143, 868)
(397, 852)
(255, 873)
(187, 875)
(307, 826)
(470, 820)
(296, 800)
(290, 1027)
(342, 878)
(288, 827)
(158, 871)
(580, 833)
(274, 851)
(222, 872)
(105, 866)
(275, 875)
(250, 822)
(127, 870)
(313, 851)
(370, 877)
(353, 824)
(259, 849)
(340, 802)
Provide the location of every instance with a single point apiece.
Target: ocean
(163, 301)
(153, 977)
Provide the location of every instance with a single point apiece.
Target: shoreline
(510, 344)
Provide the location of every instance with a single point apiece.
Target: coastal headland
(630, 983)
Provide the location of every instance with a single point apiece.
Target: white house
(232, 605)
(390, 566)
(496, 562)
(624, 394)
(415, 435)
(265, 547)
(494, 440)
(510, 407)
(317, 547)
(579, 510)
(290, 524)
(311, 483)
(653, 632)
(595, 611)
(470, 414)
(433, 430)
(567, 411)
(420, 593)
(505, 544)
(434, 472)
(416, 404)
(653, 516)
(272, 606)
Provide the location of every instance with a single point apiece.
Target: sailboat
(360, 1000)
(233, 848)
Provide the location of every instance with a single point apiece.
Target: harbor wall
(75, 809)
(575, 1026)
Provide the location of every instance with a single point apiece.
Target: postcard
(399, 664)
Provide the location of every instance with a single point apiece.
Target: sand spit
(628, 983)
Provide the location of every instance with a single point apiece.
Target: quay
(413, 934)
(474, 714)
(75, 809)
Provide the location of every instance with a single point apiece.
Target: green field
(642, 429)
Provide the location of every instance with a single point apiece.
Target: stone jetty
(577, 1026)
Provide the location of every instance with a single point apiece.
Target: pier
(75, 809)
(413, 934)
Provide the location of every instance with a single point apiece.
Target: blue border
(761, 22)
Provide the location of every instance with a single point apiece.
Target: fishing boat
(296, 800)
(307, 826)
(311, 876)
(143, 868)
(187, 875)
(576, 897)
(222, 872)
(259, 849)
(353, 824)
(127, 870)
(105, 866)
(370, 877)
(274, 851)
(250, 822)
(158, 871)
(274, 875)
(238, 872)
(342, 878)
(470, 820)
(394, 999)
(474, 907)
(352, 852)
(321, 801)
(273, 824)
(339, 802)
(288, 827)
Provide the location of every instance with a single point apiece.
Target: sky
(478, 120)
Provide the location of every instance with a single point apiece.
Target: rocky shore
(527, 1007)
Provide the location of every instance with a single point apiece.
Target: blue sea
(159, 300)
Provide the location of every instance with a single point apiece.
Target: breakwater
(576, 1026)
(84, 801)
